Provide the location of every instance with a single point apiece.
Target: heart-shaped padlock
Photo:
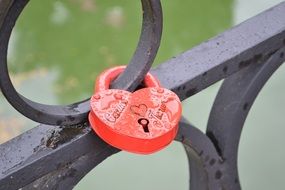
(144, 121)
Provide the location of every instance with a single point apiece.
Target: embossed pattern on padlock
(144, 121)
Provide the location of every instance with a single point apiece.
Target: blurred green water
(59, 47)
(78, 42)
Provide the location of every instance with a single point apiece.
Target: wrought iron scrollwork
(245, 66)
(77, 113)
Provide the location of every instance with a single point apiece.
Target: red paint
(144, 121)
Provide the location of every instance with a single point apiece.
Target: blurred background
(59, 47)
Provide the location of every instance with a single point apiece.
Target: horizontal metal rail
(248, 43)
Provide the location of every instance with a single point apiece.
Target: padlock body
(141, 122)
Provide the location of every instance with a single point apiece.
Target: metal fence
(245, 56)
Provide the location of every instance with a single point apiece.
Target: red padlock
(144, 121)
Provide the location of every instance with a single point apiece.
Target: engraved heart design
(139, 110)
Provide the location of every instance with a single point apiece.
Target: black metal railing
(245, 56)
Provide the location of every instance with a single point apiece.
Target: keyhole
(144, 123)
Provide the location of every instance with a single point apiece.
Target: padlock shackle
(105, 79)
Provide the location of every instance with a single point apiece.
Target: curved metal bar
(204, 161)
(46, 149)
(4, 7)
(147, 48)
(231, 107)
(77, 112)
